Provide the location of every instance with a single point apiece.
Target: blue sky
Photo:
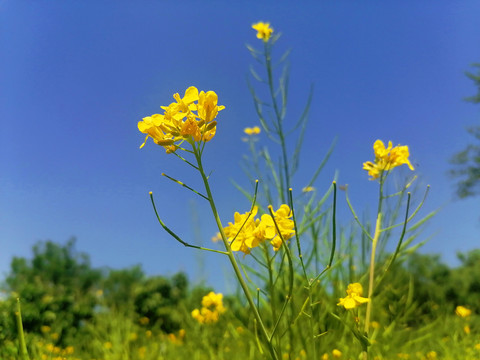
(77, 76)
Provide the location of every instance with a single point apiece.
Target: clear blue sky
(77, 76)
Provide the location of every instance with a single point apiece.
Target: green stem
(278, 115)
(21, 335)
(232, 259)
(372, 271)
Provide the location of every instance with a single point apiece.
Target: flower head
(252, 131)
(462, 311)
(354, 297)
(264, 31)
(190, 118)
(386, 158)
(212, 308)
(246, 232)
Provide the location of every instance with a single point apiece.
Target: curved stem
(232, 259)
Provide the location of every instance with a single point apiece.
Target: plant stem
(278, 115)
(372, 271)
(232, 259)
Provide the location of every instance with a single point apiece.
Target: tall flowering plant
(290, 270)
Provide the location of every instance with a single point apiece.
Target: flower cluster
(386, 159)
(252, 130)
(212, 308)
(191, 118)
(264, 31)
(354, 297)
(462, 311)
(247, 232)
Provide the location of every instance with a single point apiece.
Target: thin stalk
(278, 115)
(233, 261)
(372, 271)
(21, 335)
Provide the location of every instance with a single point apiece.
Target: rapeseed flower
(386, 158)
(252, 131)
(354, 297)
(212, 308)
(246, 232)
(264, 31)
(191, 119)
(462, 311)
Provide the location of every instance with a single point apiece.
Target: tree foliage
(466, 163)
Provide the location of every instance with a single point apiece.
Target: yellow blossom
(45, 329)
(336, 353)
(183, 120)
(283, 222)
(252, 131)
(144, 320)
(264, 31)
(354, 297)
(386, 158)
(212, 308)
(431, 355)
(240, 234)
(462, 311)
(308, 189)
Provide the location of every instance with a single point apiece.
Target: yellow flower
(336, 353)
(308, 189)
(386, 158)
(144, 320)
(180, 122)
(285, 225)
(431, 355)
(462, 311)
(45, 329)
(252, 131)
(264, 31)
(354, 297)
(240, 234)
(212, 308)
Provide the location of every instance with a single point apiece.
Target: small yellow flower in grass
(462, 311)
(212, 308)
(337, 354)
(144, 320)
(264, 31)
(252, 131)
(354, 297)
(477, 346)
(386, 159)
(54, 336)
(403, 356)
(107, 345)
(45, 329)
(375, 324)
(141, 352)
(466, 329)
(325, 356)
(431, 355)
